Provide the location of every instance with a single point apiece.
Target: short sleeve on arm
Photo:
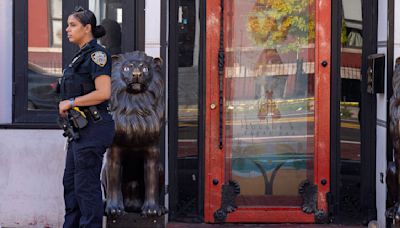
(100, 64)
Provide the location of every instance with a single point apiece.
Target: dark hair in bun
(88, 17)
(98, 31)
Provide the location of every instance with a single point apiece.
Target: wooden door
(267, 110)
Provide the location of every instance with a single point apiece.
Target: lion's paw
(153, 209)
(114, 208)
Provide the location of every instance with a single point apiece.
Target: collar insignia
(100, 58)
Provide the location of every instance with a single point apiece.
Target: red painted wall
(38, 23)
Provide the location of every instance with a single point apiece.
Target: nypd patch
(100, 58)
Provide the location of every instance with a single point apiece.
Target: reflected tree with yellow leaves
(285, 25)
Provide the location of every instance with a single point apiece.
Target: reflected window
(123, 21)
(39, 42)
(44, 53)
(109, 14)
(350, 72)
(352, 24)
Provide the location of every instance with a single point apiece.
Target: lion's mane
(138, 117)
(394, 108)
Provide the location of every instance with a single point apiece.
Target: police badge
(100, 58)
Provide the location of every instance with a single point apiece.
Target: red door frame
(214, 156)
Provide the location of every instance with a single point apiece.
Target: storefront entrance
(267, 107)
(268, 101)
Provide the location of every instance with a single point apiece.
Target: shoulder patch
(100, 58)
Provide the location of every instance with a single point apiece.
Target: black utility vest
(76, 80)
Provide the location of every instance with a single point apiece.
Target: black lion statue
(392, 174)
(131, 173)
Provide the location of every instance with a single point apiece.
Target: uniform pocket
(107, 129)
(88, 157)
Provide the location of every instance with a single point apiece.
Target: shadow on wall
(31, 170)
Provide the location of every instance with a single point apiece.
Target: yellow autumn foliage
(284, 24)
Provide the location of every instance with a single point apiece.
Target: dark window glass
(188, 35)
(124, 24)
(44, 53)
(41, 50)
(350, 144)
(109, 14)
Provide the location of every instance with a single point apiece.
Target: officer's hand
(63, 107)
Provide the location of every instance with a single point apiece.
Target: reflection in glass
(351, 40)
(109, 14)
(188, 34)
(269, 99)
(350, 74)
(44, 53)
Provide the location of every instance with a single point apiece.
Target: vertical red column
(213, 155)
(322, 100)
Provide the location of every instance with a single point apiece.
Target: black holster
(72, 124)
(77, 120)
(93, 111)
(69, 131)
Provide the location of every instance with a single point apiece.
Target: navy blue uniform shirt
(89, 62)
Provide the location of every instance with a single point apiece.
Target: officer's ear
(88, 28)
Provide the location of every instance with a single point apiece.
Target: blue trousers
(82, 187)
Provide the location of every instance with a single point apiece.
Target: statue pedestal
(130, 220)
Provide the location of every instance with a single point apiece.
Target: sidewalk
(202, 225)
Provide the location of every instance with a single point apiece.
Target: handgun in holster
(77, 118)
(69, 131)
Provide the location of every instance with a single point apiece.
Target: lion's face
(137, 100)
(136, 75)
(136, 70)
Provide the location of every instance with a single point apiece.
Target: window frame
(21, 114)
(172, 33)
(368, 115)
(46, 119)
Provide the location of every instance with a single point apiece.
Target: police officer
(86, 84)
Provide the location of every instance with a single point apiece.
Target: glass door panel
(350, 113)
(188, 55)
(44, 53)
(269, 99)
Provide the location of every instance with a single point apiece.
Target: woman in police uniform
(86, 84)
